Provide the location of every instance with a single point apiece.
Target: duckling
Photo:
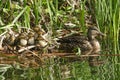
(23, 39)
(38, 31)
(41, 42)
(31, 39)
(10, 39)
(85, 43)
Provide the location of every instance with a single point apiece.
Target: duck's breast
(96, 46)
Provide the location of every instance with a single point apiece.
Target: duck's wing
(69, 43)
(73, 39)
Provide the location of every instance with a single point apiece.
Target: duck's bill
(100, 33)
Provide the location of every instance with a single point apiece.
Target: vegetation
(108, 19)
(53, 16)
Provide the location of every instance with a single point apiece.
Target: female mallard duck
(86, 44)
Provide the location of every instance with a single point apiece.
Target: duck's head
(93, 32)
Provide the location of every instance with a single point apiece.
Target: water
(97, 68)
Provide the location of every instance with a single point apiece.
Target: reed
(108, 19)
(55, 14)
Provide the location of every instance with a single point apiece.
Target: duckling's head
(93, 32)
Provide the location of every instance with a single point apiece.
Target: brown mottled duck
(87, 43)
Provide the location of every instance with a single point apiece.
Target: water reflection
(87, 68)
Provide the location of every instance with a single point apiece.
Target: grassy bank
(55, 15)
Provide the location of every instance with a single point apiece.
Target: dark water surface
(94, 68)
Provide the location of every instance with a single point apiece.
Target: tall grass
(108, 18)
(54, 14)
(10, 17)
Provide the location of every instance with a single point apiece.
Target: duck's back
(71, 42)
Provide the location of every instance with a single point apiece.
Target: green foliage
(108, 18)
(54, 14)
(78, 51)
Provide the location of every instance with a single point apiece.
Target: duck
(87, 44)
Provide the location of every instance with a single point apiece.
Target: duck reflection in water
(87, 44)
